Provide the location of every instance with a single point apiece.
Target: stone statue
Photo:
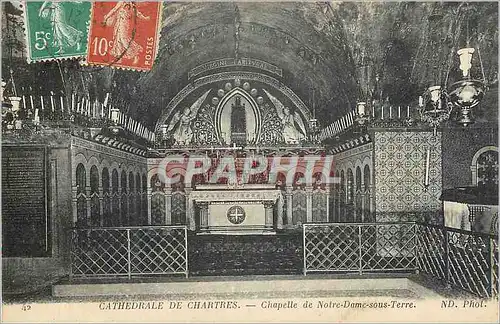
(293, 127)
(181, 122)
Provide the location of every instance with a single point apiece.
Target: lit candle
(399, 112)
(41, 100)
(24, 102)
(62, 104)
(390, 112)
(407, 111)
(52, 101)
(382, 116)
(31, 100)
(73, 102)
(420, 101)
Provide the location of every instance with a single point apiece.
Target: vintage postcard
(56, 30)
(263, 161)
(124, 34)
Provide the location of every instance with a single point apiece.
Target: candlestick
(36, 118)
(427, 167)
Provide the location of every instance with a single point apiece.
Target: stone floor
(44, 295)
(245, 254)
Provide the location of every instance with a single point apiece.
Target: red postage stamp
(124, 34)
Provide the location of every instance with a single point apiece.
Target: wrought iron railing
(128, 251)
(461, 258)
(360, 247)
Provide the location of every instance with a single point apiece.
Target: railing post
(447, 257)
(71, 254)
(416, 248)
(128, 254)
(186, 250)
(361, 250)
(491, 263)
(304, 247)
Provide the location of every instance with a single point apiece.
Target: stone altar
(237, 210)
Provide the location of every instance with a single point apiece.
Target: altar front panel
(254, 214)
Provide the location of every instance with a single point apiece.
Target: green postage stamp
(56, 30)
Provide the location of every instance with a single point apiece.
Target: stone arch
(254, 106)
(81, 178)
(79, 158)
(232, 75)
(473, 166)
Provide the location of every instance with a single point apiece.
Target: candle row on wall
(382, 112)
(60, 107)
(338, 126)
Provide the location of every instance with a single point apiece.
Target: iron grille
(461, 258)
(348, 247)
(127, 251)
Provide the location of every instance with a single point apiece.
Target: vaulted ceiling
(332, 54)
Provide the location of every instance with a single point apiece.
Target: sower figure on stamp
(122, 17)
(63, 34)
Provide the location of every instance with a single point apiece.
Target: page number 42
(26, 307)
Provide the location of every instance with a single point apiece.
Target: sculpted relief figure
(180, 125)
(294, 130)
(183, 134)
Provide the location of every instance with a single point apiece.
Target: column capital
(203, 204)
(167, 190)
(268, 204)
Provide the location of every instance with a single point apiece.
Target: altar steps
(279, 254)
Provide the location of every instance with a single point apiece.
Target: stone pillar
(371, 208)
(168, 205)
(149, 194)
(289, 206)
(328, 191)
(119, 195)
(89, 213)
(203, 215)
(309, 192)
(279, 216)
(268, 206)
(191, 224)
(74, 203)
(101, 207)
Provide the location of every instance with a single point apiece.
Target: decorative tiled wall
(400, 159)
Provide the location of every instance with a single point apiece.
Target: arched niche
(478, 163)
(224, 117)
(214, 79)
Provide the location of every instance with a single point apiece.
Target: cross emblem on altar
(236, 215)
